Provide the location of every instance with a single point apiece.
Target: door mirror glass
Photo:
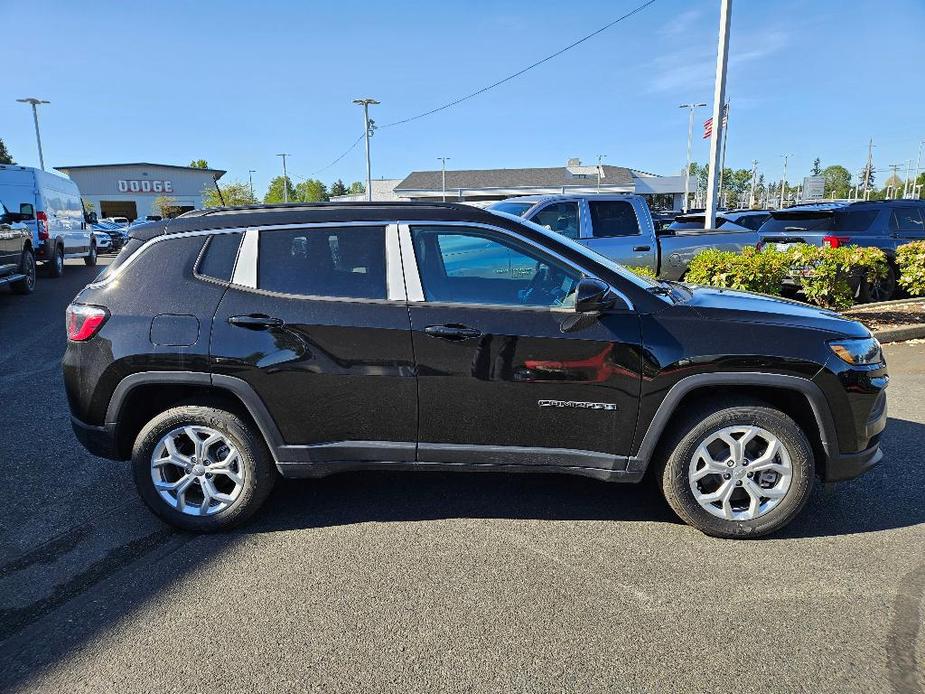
(26, 211)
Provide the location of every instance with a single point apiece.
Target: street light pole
(250, 181)
(285, 178)
(690, 134)
(751, 195)
(600, 169)
(443, 172)
(35, 117)
(365, 103)
(719, 102)
(918, 161)
(783, 180)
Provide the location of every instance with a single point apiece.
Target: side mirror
(593, 297)
(26, 211)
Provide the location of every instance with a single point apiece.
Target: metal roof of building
(484, 179)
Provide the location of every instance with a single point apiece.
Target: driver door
(498, 381)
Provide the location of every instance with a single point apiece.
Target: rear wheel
(738, 471)
(56, 265)
(881, 289)
(202, 468)
(90, 258)
(26, 267)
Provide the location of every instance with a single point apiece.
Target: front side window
(474, 266)
(561, 217)
(613, 218)
(344, 262)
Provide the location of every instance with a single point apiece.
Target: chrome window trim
(245, 265)
(413, 273)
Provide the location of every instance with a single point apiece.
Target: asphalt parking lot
(440, 582)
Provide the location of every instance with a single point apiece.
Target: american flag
(708, 123)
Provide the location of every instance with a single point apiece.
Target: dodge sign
(145, 186)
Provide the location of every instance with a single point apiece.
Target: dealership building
(129, 190)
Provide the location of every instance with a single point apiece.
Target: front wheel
(202, 468)
(90, 258)
(738, 471)
(27, 267)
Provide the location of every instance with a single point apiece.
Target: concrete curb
(907, 332)
(897, 334)
(884, 304)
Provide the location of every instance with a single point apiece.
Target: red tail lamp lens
(83, 322)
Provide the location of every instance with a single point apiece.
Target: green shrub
(911, 260)
(751, 270)
(826, 273)
(641, 270)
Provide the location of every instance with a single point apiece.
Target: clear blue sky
(236, 82)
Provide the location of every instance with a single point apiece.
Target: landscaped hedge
(828, 276)
(910, 258)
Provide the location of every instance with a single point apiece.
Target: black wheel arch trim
(663, 416)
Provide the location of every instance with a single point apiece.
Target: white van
(51, 206)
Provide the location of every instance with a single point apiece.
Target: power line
(325, 168)
(520, 72)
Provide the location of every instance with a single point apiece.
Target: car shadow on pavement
(886, 497)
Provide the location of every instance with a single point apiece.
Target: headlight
(858, 352)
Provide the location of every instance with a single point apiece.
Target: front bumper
(98, 440)
(847, 466)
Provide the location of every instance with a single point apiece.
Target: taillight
(83, 322)
(42, 219)
(834, 241)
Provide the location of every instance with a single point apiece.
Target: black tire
(56, 264)
(881, 289)
(697, 427)
(26, 267)
(259, 472)
(90, 258)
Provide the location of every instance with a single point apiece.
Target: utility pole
(783, 181)
(751, 195)
(35, 117)
(891, 188)
(868, 169)
(915, 174)
(600, 169)
(690, 133)
(250, 181)
(722, 164)
(370, 125)
(443, 171)
(719, 102)
(285, 178)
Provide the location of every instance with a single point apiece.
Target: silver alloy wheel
(740, 472)
(197, 470)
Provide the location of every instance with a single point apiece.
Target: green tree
(817, 166)
(356, 188)
(275, 191)
(338, 188)
(5, 157)
(312, 190)
(235, 193)
(837, 181)
(919, 187)
(165, 206)
(199, 164)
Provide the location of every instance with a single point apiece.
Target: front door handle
(642, 248)
(256, 321)
(453, 332)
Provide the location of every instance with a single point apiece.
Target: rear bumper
(98, 440)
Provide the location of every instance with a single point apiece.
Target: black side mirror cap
(596, 296)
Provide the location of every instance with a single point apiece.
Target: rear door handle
(456, 333)
(256, 321)
(642, 248)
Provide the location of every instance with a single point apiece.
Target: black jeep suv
(228, 346)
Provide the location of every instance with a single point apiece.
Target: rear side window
(219, 255)
(346, 262)
(908, 220)
(128, 250)
(613, 218)
(853, 220)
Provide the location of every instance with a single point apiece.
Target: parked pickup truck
(883, 224)
(17, 260)
(620, 227)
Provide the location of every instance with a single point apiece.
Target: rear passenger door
(616, 233)
(316, 322)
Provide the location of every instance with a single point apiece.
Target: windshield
(641, 282)
(518, 209)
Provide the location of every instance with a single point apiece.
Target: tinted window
(908, 220)
(613, 218)
(341, 262)
(793, 221)
(853, 220)
(515, 208)
(479, 267)
(220, 253)
(128, 250)
(561, 217)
